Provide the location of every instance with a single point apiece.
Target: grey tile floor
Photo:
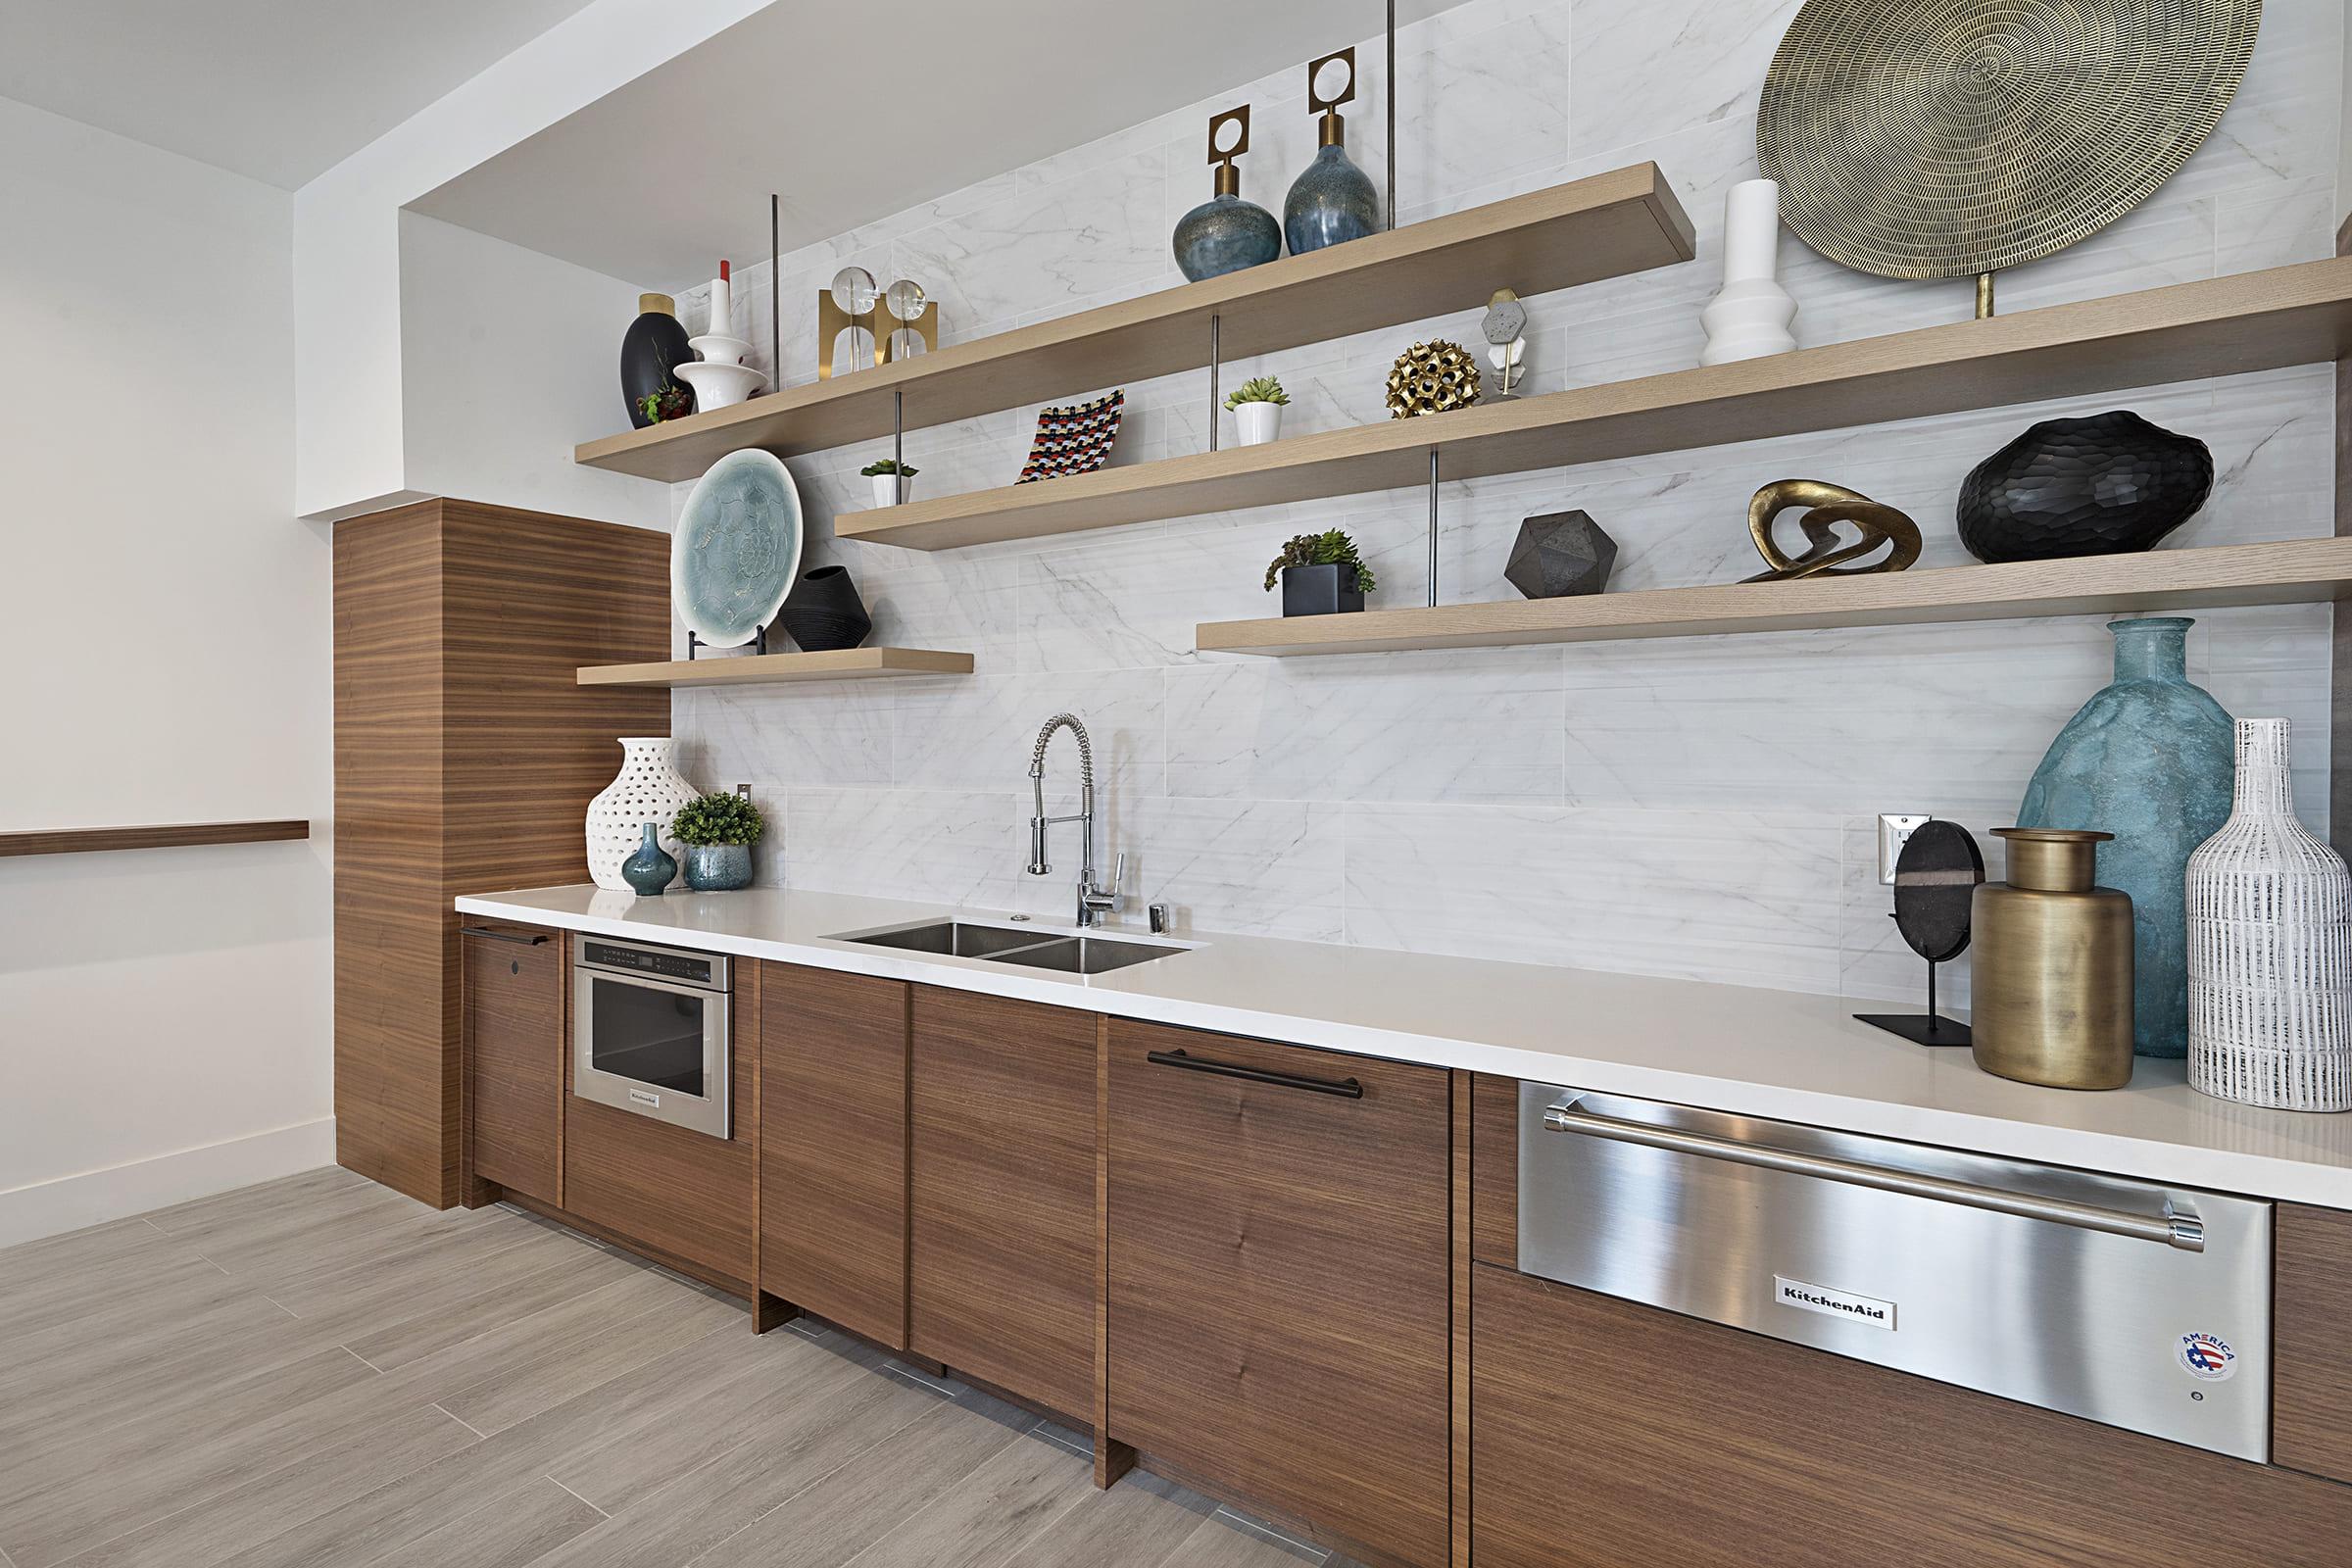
(317, 1371)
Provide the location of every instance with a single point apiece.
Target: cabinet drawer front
(1607, 1431)
(833, 1147)
(1002, 1286)
(1279, 1308)
(515, 1057)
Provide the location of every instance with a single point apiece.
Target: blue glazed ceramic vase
(651, 869)
(718, 867)
(1332, 202)
(1224, 234)
(2151, 759)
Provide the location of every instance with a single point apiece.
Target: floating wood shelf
(2290, 573)
(2222, 326)
(1623, 221)
(765, 669)
(84, 840)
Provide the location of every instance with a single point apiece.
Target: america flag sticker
(2208, 1358)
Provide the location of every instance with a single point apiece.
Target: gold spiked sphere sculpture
(1945, 139)
(1432, 377)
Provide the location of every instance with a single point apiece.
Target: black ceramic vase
(654, 344)
(2107, 485)
(825, 612)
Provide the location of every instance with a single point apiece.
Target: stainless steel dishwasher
(2133, 1303)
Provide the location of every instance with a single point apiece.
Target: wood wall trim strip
(2300, 314)
(1112, 1458)
(1625, 221)
(166, 836)
(2284, 571)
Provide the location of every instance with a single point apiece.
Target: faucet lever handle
(1118, 871)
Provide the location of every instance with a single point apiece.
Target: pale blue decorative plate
(737, 548)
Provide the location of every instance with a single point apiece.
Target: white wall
(506, 357)
(165, 1019)
(1694, 807)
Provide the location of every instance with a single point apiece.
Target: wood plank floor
(319, 1371)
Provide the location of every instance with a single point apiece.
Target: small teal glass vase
(2151, 759)
(1332, 202)
(718, 867)
(651, 869)
(1225, 234)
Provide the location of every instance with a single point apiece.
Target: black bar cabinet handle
(504, 936)
(1345, 1088)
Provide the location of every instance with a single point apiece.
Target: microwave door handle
(2181, 1229)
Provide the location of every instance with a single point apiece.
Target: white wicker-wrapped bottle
(2269, 946)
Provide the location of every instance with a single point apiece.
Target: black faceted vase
(825, 612)
(653, 345)
(2107, 485)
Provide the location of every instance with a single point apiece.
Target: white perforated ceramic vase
(649, 789)
(2269, 946)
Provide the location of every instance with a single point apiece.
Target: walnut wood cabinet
(833, 1086)
(1002, 1281)
(1279, 1280)
(514, 1034)
(466, 754)
(683, 1197)
(1608, 1432)
(2311, 1427)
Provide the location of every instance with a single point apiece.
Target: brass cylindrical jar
(2051, 988)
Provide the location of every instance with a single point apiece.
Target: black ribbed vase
(825, 612)
(2107, 485)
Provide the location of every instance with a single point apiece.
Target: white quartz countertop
(1783, 1054)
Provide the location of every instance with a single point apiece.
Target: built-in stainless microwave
(649, 1032)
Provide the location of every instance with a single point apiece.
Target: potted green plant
(1258, 406)
(718, 832)
(894, 481)
(1321, 575)
(668, 400)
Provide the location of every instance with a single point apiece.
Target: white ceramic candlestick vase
(2269, 946)
(648, 789)
(1749, 316)
(1257, 423)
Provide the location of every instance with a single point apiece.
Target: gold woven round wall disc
(1937, 138)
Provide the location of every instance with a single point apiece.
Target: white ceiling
(281, 90)
(857, 110)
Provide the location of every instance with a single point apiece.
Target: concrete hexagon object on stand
(1559, 555)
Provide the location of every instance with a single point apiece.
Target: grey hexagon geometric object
(1560, 553)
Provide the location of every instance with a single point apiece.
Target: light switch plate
(1893, 833)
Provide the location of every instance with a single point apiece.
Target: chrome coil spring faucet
(1093, 903)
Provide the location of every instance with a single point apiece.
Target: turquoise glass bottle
(2151, 759)
(1332, 201)
(1225, 234)
(651, 869)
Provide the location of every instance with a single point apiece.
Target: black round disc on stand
(1936, 881)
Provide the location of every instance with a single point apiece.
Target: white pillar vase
(1749, 316)
(648, 789)
(891, 488)
(1257, 424)
(2269, 946)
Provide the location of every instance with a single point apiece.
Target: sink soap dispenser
(1332, 200)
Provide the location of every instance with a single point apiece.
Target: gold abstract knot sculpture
(1824, 556)
(1431, 378)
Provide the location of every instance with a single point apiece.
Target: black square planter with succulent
(1321, 575)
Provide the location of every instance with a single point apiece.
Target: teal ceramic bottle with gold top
(2150, 759)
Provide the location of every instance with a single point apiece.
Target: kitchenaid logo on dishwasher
(1836, 1303)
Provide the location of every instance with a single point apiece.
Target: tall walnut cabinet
(466, 754)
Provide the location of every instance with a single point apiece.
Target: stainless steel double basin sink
(1061, 952)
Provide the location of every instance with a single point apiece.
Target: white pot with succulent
(1258, 406)
(893, 482)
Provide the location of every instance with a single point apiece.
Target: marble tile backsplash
(1700, 806)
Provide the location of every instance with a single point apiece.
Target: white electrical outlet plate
(1893, 833)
